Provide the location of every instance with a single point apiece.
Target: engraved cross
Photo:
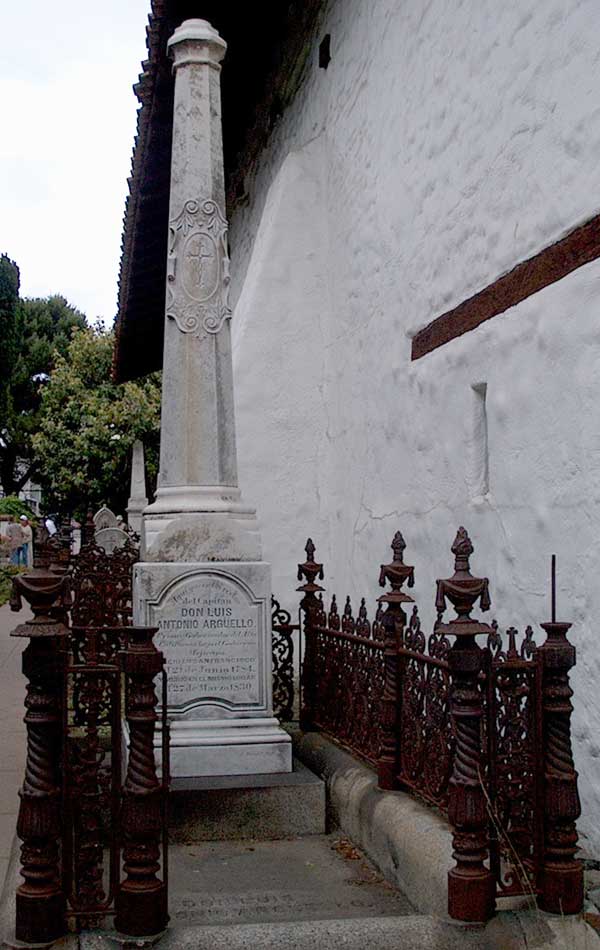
(198, 257)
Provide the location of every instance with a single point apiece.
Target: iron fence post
(562, 875)
(471, 885)
(309, 605)
(40, 899)
(393, 622)
(141, 900)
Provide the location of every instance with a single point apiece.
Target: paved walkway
(12, 729)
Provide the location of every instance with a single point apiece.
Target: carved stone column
(141, 902)
(471, 885)
(394, 621)
(40, 901)
(198, 459)
(309, 605)
(201, 565)
(562, 875)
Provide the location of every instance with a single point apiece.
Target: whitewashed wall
(445, 143)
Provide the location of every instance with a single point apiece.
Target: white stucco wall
(445, 143)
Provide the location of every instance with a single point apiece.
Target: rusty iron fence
(94, 840)
(348, 654)
(284, 667)
(480, 732)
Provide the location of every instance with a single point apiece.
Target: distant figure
(50, 526)
(76, 536)
(26, 550)
(14, 534)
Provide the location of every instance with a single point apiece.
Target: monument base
(214, 628)
(223, 747)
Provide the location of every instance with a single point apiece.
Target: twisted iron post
(393, 622)
(562, 875)
(309, 604)
(40, 900)
(471, 885)
(141, 901)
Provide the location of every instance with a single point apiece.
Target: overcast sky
(67, 122)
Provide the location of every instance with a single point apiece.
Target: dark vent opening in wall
(325, 51)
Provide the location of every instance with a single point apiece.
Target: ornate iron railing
(349, 655)
(515, 766)
(102, 586)
(98, 691)
(94, 842)
(284, 671)
(426, 751)
(483, 733)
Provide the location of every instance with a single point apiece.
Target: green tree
(9, 301)
(87, 426)
(37, 330)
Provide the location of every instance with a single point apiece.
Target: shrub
(11, 505)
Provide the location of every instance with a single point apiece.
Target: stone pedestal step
(374, 933)
(506, 932)
(233, 807)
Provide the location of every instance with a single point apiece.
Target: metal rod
(554, 588)
(166, 778)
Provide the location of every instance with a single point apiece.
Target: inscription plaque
(209, 631)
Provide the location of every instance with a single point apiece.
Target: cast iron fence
(481, 733)
(284, 669)
(93, 841)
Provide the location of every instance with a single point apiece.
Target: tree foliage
(11, 505)
(87, 426)
(32, 331)
(9, 300)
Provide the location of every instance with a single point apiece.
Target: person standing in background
(50, 526)
(26, 551)
(14, 534)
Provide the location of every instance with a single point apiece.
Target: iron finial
(462, 589)
(398, 546)
(462, 549)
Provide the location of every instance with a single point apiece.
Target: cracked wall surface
(445, 143)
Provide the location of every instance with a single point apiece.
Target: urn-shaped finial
(396, 573)
(310, 570)
(462, 589)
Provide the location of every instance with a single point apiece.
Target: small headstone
(104, 518)
(110, 538)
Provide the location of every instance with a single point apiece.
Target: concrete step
(366, 933)
(261, 807)
(505, 932)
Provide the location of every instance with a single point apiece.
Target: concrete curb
(505, 932)
(408, 842)
(374, 933)
(411, 845)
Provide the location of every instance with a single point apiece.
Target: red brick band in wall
(579, 247)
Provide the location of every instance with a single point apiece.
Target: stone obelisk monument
(137, 495)
(202, 580)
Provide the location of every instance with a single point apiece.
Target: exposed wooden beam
(579, 247)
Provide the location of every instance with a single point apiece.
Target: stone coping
(411, 845)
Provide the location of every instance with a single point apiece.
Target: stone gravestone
(201, 579)
(108, 534)
(214, 629)
(104, 518)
